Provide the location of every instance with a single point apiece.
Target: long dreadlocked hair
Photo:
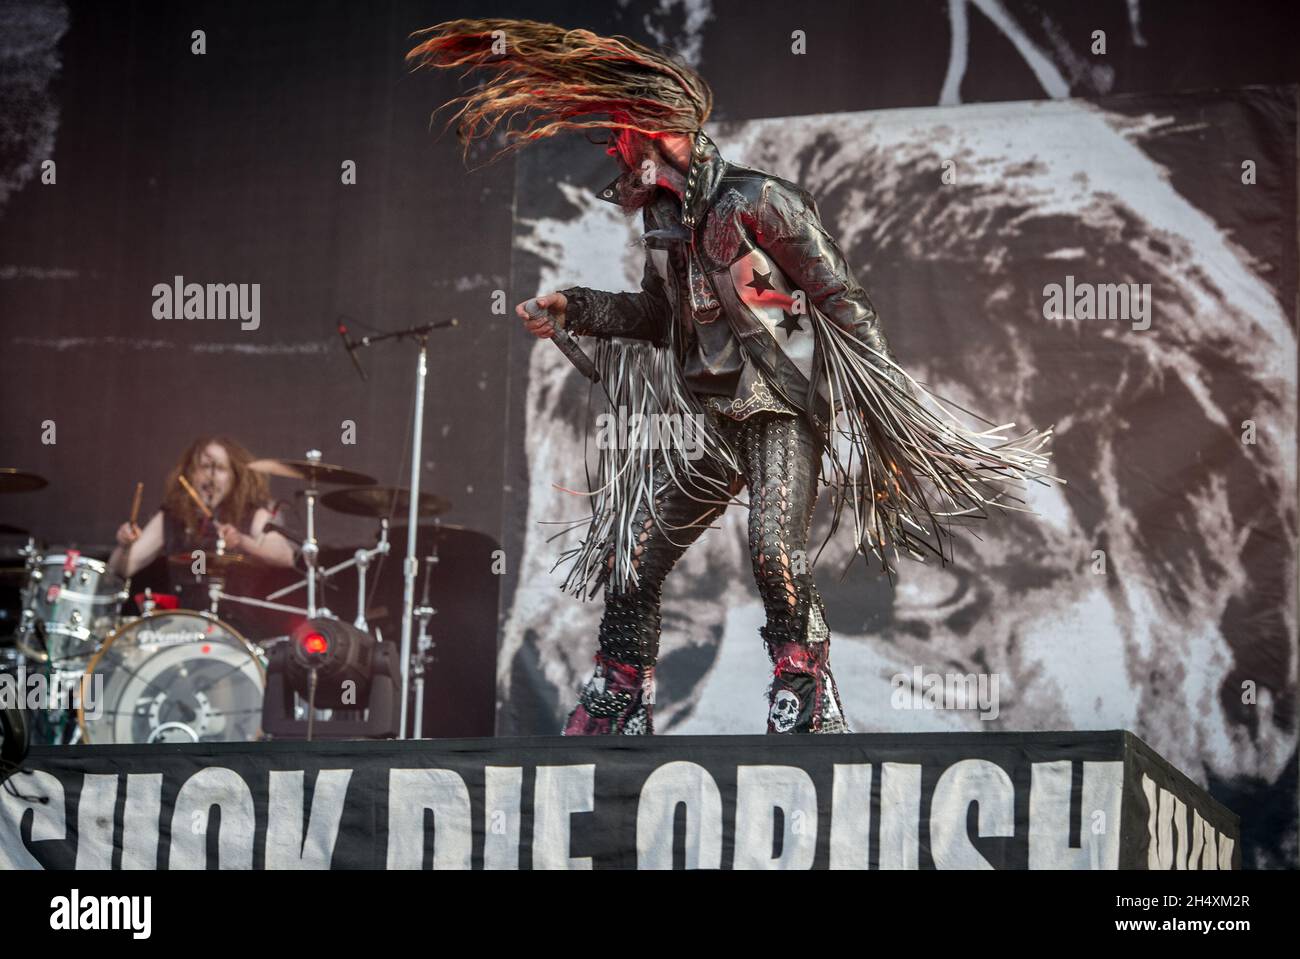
(562, 75)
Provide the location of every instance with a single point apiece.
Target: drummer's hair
(248, 489)
(562, 75)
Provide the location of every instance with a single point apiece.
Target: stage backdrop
(1155, 591)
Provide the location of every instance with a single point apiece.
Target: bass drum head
(173, 677)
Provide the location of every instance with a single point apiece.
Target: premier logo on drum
(156, 637)
(209, 301)
(37, 691)
(76, 912)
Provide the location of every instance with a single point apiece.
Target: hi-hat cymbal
(311, 471)
(16, 481)
(380, 501)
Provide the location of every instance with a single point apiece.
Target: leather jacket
(755, 239)
(746, 243)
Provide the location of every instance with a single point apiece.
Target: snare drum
(173, 676)
(71, 602)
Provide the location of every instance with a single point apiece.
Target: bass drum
(173, 677)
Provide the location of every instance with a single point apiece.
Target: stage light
(334, 668)
(337, 658)
(315, 644)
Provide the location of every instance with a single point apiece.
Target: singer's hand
(554, 304)
(127, 534)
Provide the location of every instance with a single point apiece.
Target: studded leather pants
(779, 457)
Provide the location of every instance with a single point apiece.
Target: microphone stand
(420, 334)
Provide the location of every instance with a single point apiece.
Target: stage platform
(1088, 800)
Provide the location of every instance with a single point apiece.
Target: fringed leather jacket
(748, 250)
(755, 260)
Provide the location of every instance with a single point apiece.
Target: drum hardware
(148, 603)
(423, 654)
(420, 336)
(310, 548)
(219, 564)
(13, 741)
(361, 559)
(381, 502)
(16, 481)
(13, 722)
(48, 695)
(214, 595)
(311, 471)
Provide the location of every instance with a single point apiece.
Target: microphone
(352, 351)
(565, 341)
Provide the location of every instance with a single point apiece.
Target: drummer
(237, 498)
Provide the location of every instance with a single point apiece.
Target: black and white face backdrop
(1155, 591)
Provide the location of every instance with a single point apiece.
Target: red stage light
(315, 643)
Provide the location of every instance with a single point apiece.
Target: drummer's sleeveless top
(180, 538)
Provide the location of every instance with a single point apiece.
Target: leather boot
(617, 700)
(803, 697)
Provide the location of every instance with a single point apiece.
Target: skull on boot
(803, 697)
(785, 711)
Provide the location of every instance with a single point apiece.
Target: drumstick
(135, 503)
(195, 496)
(135, 515)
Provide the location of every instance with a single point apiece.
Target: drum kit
(164, 674)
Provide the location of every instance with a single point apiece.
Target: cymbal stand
(215, 595)
(310, 547)
(362, 558)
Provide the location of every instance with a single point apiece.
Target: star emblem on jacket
(790, 323)
(760, 282)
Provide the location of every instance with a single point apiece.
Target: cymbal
(216, 564)
(311, 471)
(7, 530)
(16, 481)
(380, 501)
